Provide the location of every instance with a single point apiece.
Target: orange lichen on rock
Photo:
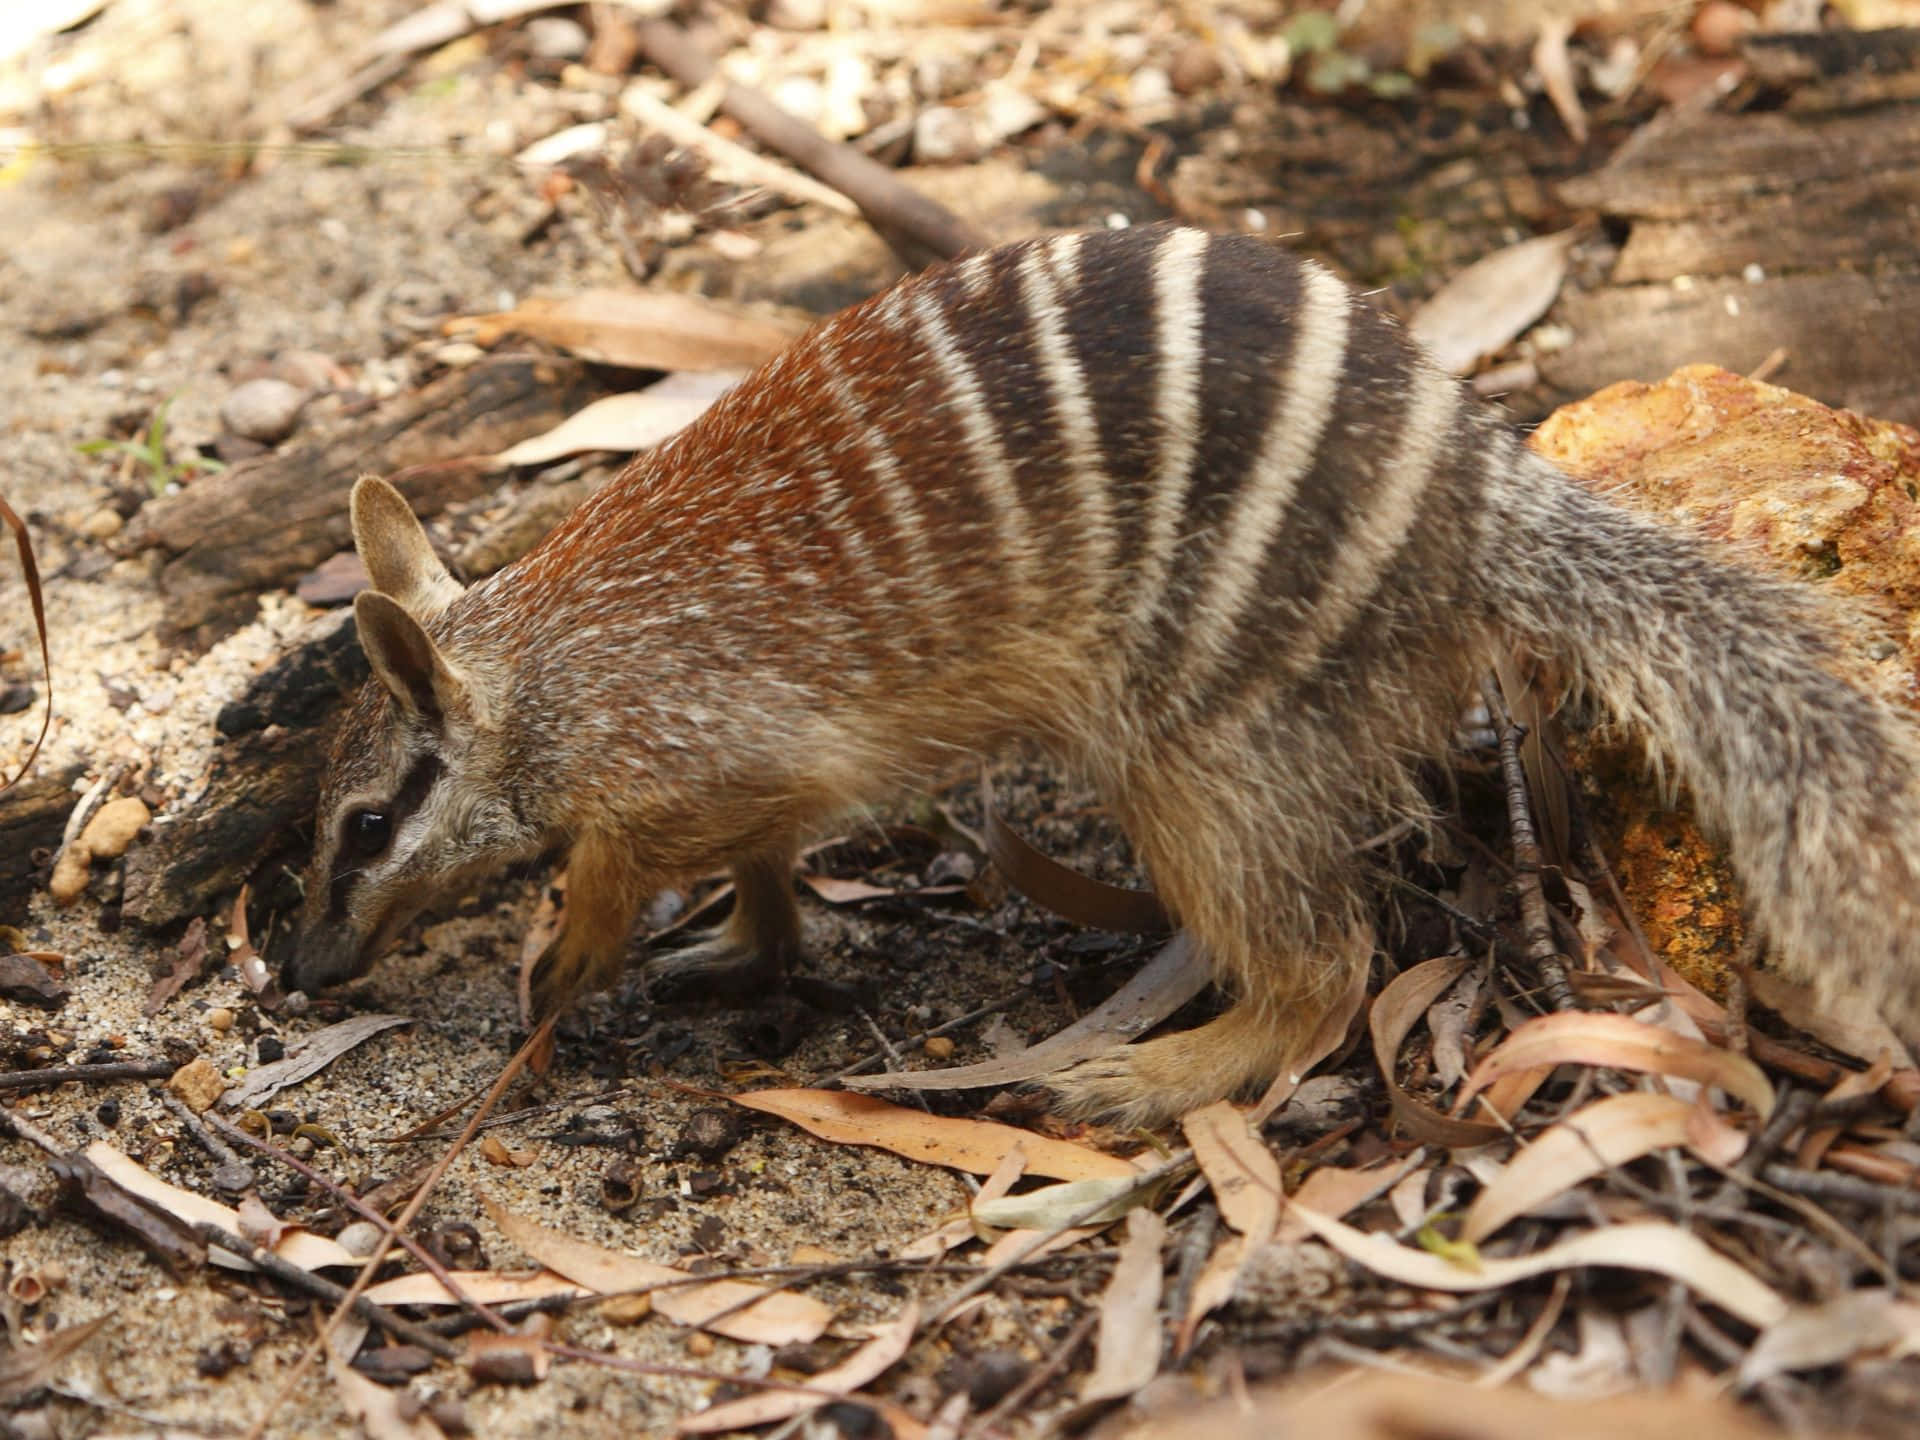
(1795, 488)
(1791, 485)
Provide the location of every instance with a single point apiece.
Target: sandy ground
(115, 310)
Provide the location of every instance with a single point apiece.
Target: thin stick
(1042, 1373)
(61, 1074)
(321, 1288)
(372, 1216)
(891, 207)
(1527, 862)
(542, 1033)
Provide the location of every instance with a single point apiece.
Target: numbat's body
(1181, 507)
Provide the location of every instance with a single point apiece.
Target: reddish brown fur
(1178, 508)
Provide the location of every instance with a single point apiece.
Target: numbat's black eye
(368, 832)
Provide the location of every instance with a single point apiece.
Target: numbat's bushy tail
(1181, 507)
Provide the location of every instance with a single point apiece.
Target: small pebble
(362, 1237)
(943, 133)
(102, 524)
(220, 1018)
(264, 410)
(1195, 68)
(940, 1047)
(699, 1344)
(554, 37)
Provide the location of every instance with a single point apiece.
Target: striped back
(1199, 457)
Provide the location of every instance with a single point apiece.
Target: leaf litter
(1581, 1132)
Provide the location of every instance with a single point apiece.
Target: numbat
(1180, 507)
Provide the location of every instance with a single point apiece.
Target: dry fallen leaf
(1604, 1134)
(1586, 1038)
(869, 1362)
(1176, 974)
(297, 1247)
(632, 420)
(778, 1318)
(641, 329)
(25, 1368)
(1330, 1190)
(1242, 1171)
(975, 1146)
(1128, 1353)
(961, 1230)
(1811, 1336)
(1647, 1245)
(1400, 1007)
(1492, 301)
(306, 1057)
(1054, 1206)
(488, 1287)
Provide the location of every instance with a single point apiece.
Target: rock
(102, 524)
(1197, 67)
(264, 410)
(361, 1238)
(941, 134)
(554, 37)
(198, 1083)
(113, 827)
(25, 981)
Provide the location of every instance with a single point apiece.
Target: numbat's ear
(422, 681)
(396, 552)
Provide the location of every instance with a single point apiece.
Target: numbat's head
(413, 805)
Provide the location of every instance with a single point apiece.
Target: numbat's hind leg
(1242, 1051)
(756, 945)
(1254, 858)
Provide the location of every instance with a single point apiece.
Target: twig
(979, 1012)
(61, 1074)
(894, 209)
(1527, 863)
(232, 1174)
(321, 1288)
(729, 161)
(1821, 1185)
(1196, 1244)
(413, 1247)
(541, 1035)
(1044, 1372)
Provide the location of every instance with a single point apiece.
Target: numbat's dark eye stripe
(366, 832)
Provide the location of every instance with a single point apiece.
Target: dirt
(145, 269)
(170, 235)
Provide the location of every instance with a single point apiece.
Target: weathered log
(263, 523)
(32, 816)
(262, 785)
(1851, 340)
(1753, 234)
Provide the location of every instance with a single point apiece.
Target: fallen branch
(898, 212)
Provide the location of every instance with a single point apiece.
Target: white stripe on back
(1287, 451)
(1073, 411)
(1179, 267)
(997, 486)
(1386, 516)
